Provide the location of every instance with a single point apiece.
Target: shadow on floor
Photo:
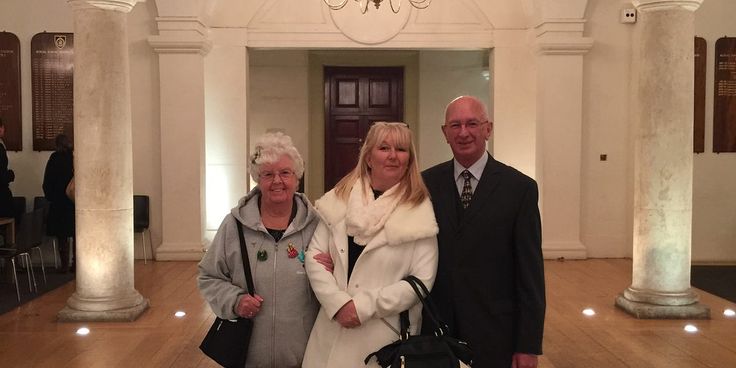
(8, 296)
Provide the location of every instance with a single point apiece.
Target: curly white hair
(269, 148)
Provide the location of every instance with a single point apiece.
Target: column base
(653, 311)
(129, 314)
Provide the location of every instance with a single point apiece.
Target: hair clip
(256, 155)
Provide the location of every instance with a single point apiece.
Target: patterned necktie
(467, 190)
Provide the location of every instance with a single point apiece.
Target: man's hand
(521, 360)
(347, 316)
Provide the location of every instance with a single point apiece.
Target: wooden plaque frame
(724, 96)
(10, 92)
(52, 88)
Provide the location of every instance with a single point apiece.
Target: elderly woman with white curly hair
(278, 224)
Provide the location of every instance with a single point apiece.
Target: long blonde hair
(411, 184)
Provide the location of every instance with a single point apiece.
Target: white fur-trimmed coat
(407, 245)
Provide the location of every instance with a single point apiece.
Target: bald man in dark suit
(490, 278)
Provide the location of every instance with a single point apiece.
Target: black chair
(41, 203)
(20, 250)
(141, 220)
(37, 237)
(19, 207)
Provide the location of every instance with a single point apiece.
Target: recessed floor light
(691, 328)
(180, 314)
(83, 331)
(589, 312)
(729, 312)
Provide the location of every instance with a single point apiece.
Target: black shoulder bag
(423, 351)
(227, 341)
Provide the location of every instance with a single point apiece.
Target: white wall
(145, 113)
(714, 181)
(606, 186)
(606, 213)
(444, 75)
(278, 96)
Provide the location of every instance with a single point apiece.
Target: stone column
(560, 47)
(103, 163)
(663, 169)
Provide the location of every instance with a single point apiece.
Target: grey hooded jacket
(289, 307)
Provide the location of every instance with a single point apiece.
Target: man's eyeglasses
(469, 125)
(283, 174)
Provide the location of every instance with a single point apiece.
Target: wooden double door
(355, 98)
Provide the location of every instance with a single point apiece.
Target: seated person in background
(59, 172)
(6, 177)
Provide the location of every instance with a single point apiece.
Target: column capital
(653, 5)
(124, 6)
(562, 36)
(177, 44)
(563, 45)
(181, 35)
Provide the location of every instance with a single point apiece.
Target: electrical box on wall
(628, 15)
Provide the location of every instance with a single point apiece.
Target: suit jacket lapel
(487, 184)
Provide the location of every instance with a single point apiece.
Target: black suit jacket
(490, 279)
(6, 197)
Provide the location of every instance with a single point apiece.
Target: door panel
(355, 98)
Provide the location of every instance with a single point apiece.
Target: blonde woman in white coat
(377, 225)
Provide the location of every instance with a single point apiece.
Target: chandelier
(363, 4)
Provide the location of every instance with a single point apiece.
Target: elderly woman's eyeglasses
(469, 125)
(283, 174)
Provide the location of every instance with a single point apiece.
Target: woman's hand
(249, 306)
(325, 260)
(347, 316)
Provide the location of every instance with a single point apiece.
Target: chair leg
(150, 242)
(56, 253)
(26, 261)
(143, 237)
(33, 273)
(43, 267)
(15, 278)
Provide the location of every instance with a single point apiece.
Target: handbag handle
(423, 295)
(246, 262)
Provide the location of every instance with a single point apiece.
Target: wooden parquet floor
(31, 337)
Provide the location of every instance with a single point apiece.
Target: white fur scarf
(367, 215)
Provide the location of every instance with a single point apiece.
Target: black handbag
(227, 340)
(423, 351)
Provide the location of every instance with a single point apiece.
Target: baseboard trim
(179, 252)
(566, 250)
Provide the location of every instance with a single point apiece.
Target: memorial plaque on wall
(701, 48)
(52, 88)
(10, 108)
(724, 96)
